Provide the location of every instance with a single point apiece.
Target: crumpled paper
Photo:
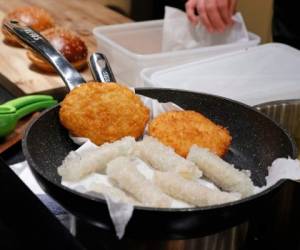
(281, 168)
(121, 212)
(179, 33)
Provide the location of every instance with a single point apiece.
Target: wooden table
(79, 15)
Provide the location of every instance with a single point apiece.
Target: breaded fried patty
(103, 112)
(181, 129)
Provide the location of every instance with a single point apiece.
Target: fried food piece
(78, 165)
(163, 158)
(113, 193)
(191, 192)
(182, 129)
(223, 174)
(103, 112)
(124, 174)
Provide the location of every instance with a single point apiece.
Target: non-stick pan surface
(257, 141)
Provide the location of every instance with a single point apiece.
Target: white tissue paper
(22, 170)
(121, 212)
(281, 168)
(179, 33)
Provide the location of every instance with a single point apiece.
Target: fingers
(201, 8)
(216, 14)
(191, 8)
(223, 8)
(232, 9)
(214, 10)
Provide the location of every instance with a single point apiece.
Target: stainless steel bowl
(286, 113)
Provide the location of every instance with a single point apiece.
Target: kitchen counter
(79, 15)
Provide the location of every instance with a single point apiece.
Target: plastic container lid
(135, 46)
(260, 74)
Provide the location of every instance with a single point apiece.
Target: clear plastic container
(135, 46)
(260, 74)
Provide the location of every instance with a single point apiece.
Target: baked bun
(68, 43)
(32, 16)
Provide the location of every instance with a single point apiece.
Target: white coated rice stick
(148, 173)
(124, 173)
(223, 174)
(164, 158)
(78, 165)
(114, 193)
(190, 191)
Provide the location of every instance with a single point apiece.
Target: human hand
(214, 14)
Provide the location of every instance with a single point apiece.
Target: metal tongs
(12, 111)
(34, 41)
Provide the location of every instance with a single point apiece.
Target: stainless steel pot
(286, 113)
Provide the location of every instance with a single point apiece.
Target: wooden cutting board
(79, 15)
(17, 134)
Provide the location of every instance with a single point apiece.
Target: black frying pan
(257, 141)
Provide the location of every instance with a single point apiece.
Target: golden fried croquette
(181, 129)
(103, 112)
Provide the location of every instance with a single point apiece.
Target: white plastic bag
(179, 33)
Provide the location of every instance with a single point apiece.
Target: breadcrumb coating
(182, 129)
(103, 112)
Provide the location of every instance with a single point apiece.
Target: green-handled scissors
(12, 111)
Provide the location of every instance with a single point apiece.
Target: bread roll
(32, 16)
(68, 43)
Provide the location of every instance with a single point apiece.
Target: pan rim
(277, 102)
(34, 167)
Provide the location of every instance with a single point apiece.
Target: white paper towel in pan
(120, 212)
(179, 33)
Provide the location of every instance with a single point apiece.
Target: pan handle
(38, 44)
(100, 68)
